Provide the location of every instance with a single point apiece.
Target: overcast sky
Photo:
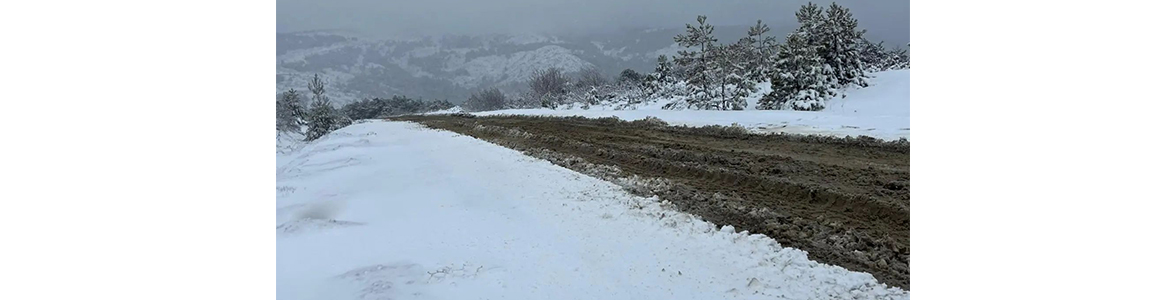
(887, 20)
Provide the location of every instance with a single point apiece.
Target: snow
(288, 142)
(391, 210)
(448, 111)
(882, 110)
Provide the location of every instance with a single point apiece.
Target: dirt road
(845, 201)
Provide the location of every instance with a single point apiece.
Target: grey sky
(887, 20)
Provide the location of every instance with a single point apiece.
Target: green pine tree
(840, 41)
(801, 80)
(322, 117)
(289, 112)
(696, 65)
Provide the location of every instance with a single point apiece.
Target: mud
(846, 201)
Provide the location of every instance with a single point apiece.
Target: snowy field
(882, 110)
(390, 210)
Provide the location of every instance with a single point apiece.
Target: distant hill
(451, 67)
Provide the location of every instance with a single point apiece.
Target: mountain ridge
(451, 67)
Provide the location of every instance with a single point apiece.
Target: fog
(884, 20)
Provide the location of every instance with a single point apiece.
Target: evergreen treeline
(319, 117)
(826, 53)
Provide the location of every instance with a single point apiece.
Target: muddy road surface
(846, 201)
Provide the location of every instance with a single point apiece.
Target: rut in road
(846, 201)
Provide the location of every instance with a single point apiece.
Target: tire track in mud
(846, 201)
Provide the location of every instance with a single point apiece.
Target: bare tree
(489, 99)
(591, 77)
(548, 86)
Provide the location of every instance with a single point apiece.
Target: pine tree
(762, 50)
(840, 46)
(661, 75)
(897, 59)
(801, 79)
(811, 24)
(289, 112)
(720, 69)
(742, 80)
(317, 88)
(322, 117)
(660, 83)
(873, 56)
(696, 65)
(731, 70)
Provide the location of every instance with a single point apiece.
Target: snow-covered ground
(882, 110)
(445, 111)
(390, 210)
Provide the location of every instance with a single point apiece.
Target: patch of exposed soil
(846, 201)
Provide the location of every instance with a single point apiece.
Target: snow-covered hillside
(440, 67)
(882, 110)
(452, 66)
(390, 210)
(516, 67)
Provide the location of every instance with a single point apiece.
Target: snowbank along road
(393, 210)
(845, 200)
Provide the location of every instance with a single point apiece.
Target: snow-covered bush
(897, 59)
(877, 58)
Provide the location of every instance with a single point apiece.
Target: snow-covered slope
(388, 210)
(882, 110)
(516, 67)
